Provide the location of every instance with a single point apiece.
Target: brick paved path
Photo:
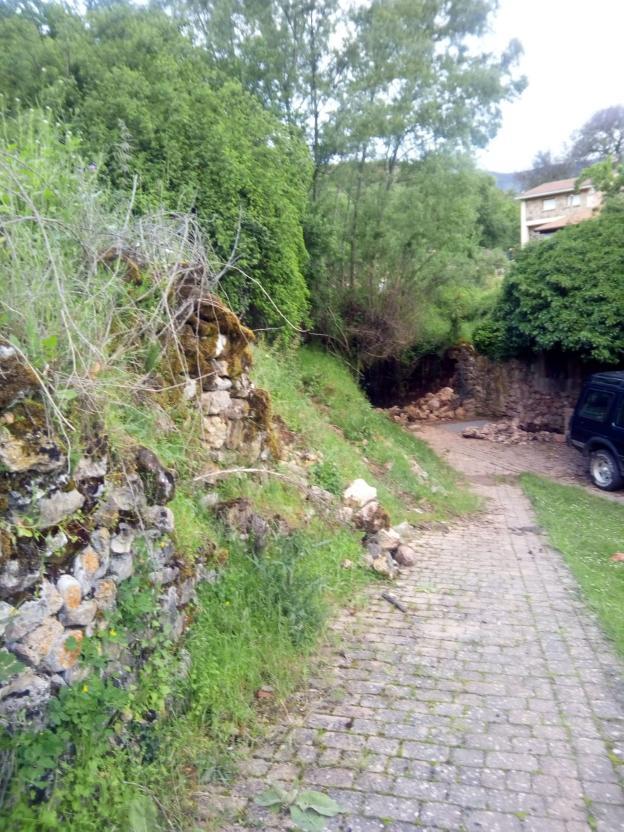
(490, 705)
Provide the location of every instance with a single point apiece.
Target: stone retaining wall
(538, 393)
(72, 533)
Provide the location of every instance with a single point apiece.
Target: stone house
(553, 205)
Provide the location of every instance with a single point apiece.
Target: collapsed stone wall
(72, 532)
(537, 395)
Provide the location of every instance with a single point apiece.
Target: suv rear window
(596, 405)
(619, 413)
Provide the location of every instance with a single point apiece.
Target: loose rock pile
(444, 404)
(511, 432)
(386, 548)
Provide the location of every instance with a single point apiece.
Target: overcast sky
(573, 60)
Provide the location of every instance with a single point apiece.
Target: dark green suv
(597, 428)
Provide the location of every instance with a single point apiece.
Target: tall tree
(601, 136)
(412, 86)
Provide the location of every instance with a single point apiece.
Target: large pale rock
(121, 543)
(18, 454)
(218, 383)
(359, 493)
(86, 568)
(215, 431)
(371, 518)
(190, 389)
(220, 345)
(242, 387)
(105, 593)
(32, 614)
(235, 435)
(215, 402)
(127, 497)
(446, 394)
(88, 468)
(387, 540)
(159, 519)
(16, 576)
(220, 367)
(80, 616)
(53, 510)
(64, 651)
(70, 591)
(100, 541)
(238, 409)
(382, 564)
(121, 567)
(405, 555)
(36, 645)
(25, 692)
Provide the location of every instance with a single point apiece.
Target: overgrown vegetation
(209, 105)
(564, 294)
(420, 262)
(587, 530)
(107, 757)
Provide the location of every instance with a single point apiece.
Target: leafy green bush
(565, 293)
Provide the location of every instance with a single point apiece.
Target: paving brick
(491, 822)
(441, 816)
(393, 808)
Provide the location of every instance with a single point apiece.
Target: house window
(574, 200)
(549, 204)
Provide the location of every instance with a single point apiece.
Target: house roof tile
(558, 186)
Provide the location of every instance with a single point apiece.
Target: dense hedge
(565, 293)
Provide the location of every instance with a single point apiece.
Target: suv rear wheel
(604, 471)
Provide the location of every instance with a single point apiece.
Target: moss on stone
(17, 379)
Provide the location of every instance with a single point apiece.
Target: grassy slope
(317, 397)
(587, 530)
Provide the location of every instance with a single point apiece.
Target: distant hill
(507, 181)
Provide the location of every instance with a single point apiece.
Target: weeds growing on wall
(107, 758)
(86, 287)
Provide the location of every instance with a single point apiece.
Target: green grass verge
(587, 530)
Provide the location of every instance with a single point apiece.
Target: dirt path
(478, 458)
(491, 705)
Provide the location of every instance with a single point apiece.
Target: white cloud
(573, 64)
